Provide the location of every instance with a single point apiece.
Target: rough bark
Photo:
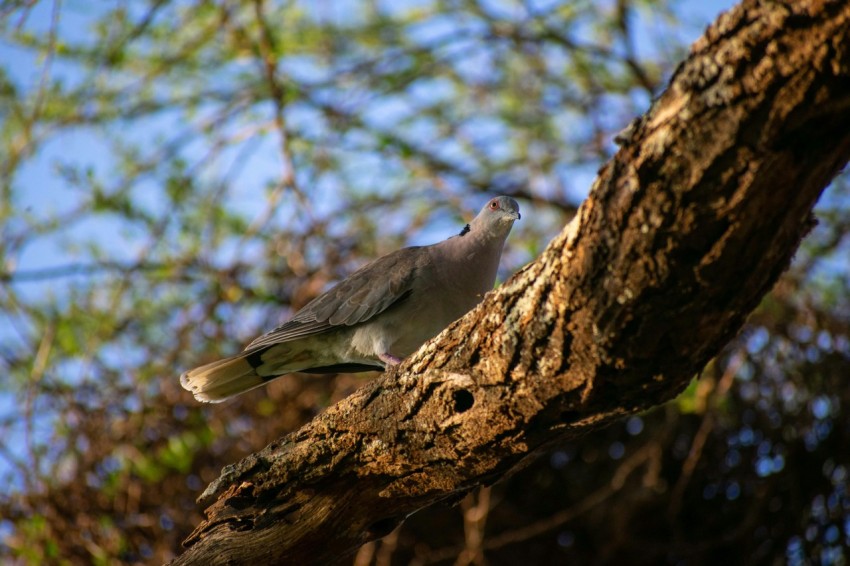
(684, 232)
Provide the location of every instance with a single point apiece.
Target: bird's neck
(479, 250)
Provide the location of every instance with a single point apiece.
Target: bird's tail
(221, 380)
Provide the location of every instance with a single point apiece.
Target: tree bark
(685, 230)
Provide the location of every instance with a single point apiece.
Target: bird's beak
(515, 215)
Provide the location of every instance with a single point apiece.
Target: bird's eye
(494, 205)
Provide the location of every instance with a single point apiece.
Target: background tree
(176, 175)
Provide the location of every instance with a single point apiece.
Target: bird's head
(497, 216)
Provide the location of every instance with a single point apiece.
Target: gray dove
(374, 318)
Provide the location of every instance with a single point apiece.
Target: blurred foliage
(175, 177)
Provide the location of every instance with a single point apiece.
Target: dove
(374, 318)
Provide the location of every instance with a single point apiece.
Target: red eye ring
(494, 205)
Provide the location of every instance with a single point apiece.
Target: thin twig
(36, 374)
(269, 63)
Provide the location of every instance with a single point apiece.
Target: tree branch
(684, 232)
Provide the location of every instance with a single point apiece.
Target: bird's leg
(389, 359)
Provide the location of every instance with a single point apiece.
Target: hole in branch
(463, 400)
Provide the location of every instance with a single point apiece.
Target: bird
(374, 318)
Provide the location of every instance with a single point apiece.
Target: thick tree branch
(685, 231)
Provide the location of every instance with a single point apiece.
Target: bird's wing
(369, 291)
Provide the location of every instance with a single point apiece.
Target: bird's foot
(389, 359)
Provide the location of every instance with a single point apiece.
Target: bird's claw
(389, 359)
